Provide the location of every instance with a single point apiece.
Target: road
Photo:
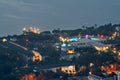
(16, 47)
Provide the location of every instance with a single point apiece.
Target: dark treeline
(92, 30)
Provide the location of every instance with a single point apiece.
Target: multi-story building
(31, 30)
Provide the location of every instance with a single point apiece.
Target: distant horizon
(56, 28)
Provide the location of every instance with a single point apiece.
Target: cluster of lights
(69, 69)
(63, 39)
(114, 50)
(114, 35)
(30, 76)
(31, 29)
(37, 56)
(104, 49)
(71, 51)
(112, 68)
(74, 39)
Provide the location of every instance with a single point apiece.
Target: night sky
(53, 14)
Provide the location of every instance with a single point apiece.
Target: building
(31, 30)
(90, 43)
(81, 43)
(36, 56)
(99, 46)
(95, 77)
(118, 75)
(69, 69)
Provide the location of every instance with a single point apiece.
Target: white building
(81, 43)
(90, 43)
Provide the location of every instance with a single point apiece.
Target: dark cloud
(50, 14)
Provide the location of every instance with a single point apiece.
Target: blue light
(63, 45)
(94, 38)
(57, 46)
(69, 44)
(74, 39)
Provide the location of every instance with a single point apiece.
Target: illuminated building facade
(112, 68)
(31, 30)
(37, 56)
(90, 43)
(69, 69)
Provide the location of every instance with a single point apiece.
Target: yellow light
(90, 73)
(102, 48)
(91, 64)
(70, 51)
(4, 40)
(33, 30)
(37, 56)
(69, 70)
